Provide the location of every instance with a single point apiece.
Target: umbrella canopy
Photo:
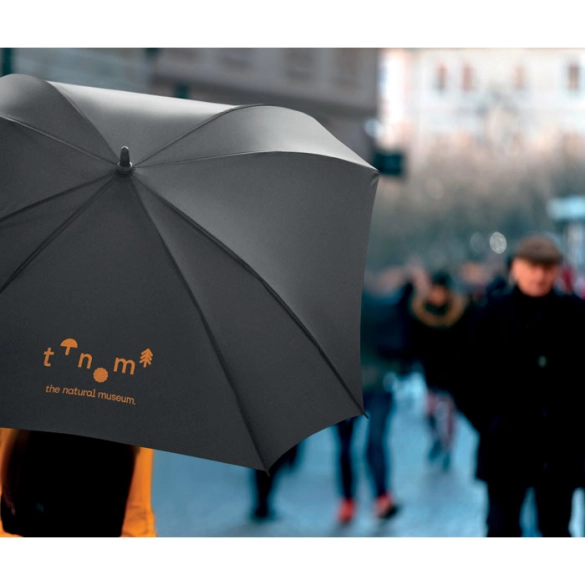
(175, 274)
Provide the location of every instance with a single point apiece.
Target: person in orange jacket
(138, 516)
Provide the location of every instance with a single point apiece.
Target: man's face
(534, 279)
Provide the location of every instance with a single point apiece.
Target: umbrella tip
(124, 166)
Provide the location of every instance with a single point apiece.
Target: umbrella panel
(286, 388)
(107, 283)
(34, 103)
(297, 222)
(19, 241)
(35, 167)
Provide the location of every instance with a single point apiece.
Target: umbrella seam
(53, 137)
(204, 123)
(220, 156)
(52, 197)
(255, 274)
(210, 335)
(51, 237)
(82, 115)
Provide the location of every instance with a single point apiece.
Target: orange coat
(139, 517)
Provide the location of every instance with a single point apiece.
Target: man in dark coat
(524, 394)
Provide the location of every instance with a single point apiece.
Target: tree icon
(146, 357)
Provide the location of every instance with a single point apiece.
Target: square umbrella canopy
(175, 274)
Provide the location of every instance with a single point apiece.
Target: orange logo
(68, 343)
(100, 374)
(126, 363)
(146, 357)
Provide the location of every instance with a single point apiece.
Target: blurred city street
(194, 497)
(238, 271)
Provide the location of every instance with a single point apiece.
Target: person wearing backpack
(56, 485)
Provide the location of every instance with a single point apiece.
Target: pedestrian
(566, 280)
(387, 331)
(56, 485)
(438, 323)
(501, 280)
(522, 393)
(378, 405)
(264, 484)
(377, 381)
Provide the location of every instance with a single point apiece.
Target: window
(571, 142)
(441, 77)
(300, 63)
(573, 76)
(178, 54)
(463, 139)
(467, 78)
(441, 141)
(519, 79)
(517, 142)
(346, 66)
(237, 58)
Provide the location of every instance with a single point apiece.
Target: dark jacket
(385, 341)
(87, 504)
(523, 387)
(438, 335)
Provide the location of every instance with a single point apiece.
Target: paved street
(194, 497)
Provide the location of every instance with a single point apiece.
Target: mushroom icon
(68, 344)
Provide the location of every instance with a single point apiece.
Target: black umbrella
(178, 275)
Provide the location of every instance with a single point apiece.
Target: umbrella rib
(255, 274)
(247, 153)
(210, 335)
(53, 137)
(204, 123)
(52, 197)
(83, 117)
(54, 234)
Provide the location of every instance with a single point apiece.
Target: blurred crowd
(502, 353)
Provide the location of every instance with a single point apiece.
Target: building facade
(512, 99)
(123, 69)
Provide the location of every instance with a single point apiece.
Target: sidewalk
(195, 497)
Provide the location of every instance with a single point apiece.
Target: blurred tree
(453, 201)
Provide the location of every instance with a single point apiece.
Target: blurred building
(394, 124)
(125, 69)
(338, 87)
(511, 99)
(395, 111)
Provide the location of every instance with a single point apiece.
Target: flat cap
(540, 249)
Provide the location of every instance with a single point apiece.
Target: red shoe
(386, 507)
(346, 511)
